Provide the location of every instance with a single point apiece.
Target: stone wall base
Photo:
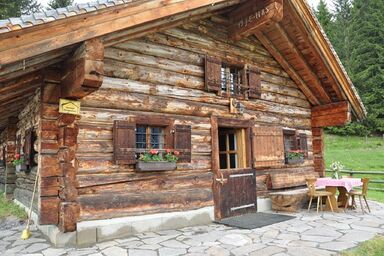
(91, 232)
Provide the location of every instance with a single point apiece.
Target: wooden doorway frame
(217, 122)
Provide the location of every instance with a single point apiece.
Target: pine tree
(54, 4)
(367, 58)
(324, 16)
(16, 8)
(340, 38)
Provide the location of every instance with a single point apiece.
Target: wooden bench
(290, 192)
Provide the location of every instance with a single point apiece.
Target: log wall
(28, 119)
(3, 151)
(163, 74)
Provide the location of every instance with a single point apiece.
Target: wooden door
(237, 193)
(234, 189)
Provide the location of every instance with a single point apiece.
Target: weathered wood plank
(123, 204)
(334, 114)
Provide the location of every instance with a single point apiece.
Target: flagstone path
(308, 234)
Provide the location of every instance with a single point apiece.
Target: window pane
(232, 141)
(223, 79)
(141, 129)
(157, 137)
(222, 143)
(223, 161)
(141, 141)
(233, 160)
(289, 142)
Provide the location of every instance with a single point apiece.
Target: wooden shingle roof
(43, 17)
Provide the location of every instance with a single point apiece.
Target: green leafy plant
(155, 155)
(295, 154)
(18, 160)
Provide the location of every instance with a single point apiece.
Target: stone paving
(308, 234)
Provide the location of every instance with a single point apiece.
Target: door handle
(222, 181)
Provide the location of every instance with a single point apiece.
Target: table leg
(333, 199)
(342, 198)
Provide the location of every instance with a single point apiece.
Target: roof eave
(327, 51)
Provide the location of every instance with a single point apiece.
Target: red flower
(153, 151)
(176, 153)
(168, 151)
(17, 156)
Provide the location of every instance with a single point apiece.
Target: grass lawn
(359, 154)
(8, 208)
(374, 247)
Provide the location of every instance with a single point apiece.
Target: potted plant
(154, 160)
(295, 157)
(336, 167)
(19, 163)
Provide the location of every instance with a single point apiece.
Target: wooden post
(69, 207)
(318, 150)
(48, 154)
(82, 74)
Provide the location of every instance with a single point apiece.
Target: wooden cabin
(239, 88)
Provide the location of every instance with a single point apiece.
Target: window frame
(235, 124)
(242, 91)
(148, 133)
(155, 121)
(228, 152)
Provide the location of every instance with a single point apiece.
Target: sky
(313, 3)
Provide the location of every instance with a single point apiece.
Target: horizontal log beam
(334, 114)
(19, 45)
(83, 72)
(252, 16)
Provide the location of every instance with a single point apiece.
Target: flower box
(21, 168)
(155, 166)
(296, 160)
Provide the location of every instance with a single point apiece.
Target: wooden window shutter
(183, 137)
(28, 148)
(212, 74)
(244, 82)
(124, 142)
(267, 146)
(18, 144)
(254, 83)
(4, 156)
(303, 143)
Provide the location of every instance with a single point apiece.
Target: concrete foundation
(91, 232)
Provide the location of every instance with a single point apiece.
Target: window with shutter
(267, 146)
(124, 142)
(183, 143)
(295, 146)
(130, 139)
(232, 80)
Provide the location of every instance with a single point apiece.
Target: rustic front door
(235, 180)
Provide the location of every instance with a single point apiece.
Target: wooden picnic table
(343, 185)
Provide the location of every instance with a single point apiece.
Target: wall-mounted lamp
(236, 107)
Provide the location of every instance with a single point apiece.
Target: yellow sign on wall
(69, 107)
